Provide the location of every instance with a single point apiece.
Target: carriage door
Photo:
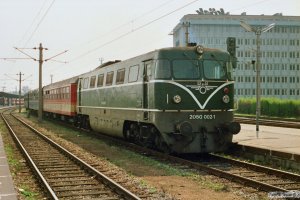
(79, 94)
(146, 93)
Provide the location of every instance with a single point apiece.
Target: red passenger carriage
(60, 99)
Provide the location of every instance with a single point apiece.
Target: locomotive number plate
(205, 117)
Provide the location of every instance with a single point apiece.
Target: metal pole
(186, 24)
(20, 77)
(258, 91)
(40, 111)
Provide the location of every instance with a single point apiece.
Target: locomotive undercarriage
(145, 135)
(175, 142)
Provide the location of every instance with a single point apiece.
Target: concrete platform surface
(7, 190)
(268, 137)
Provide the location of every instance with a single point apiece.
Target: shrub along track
(63, 175)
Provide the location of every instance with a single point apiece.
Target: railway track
(269, 122)
(252, 175)
(248, 174)
(63, 175)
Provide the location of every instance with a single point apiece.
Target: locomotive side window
(100, 80)
(162, 69)
(109, 78)
(120, 76)
(85, 83)
(214, 69)
(93, 81)
(133, 73)
(186, 69)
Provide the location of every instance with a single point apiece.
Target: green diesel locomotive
(176, 99)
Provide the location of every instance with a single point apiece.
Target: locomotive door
(146, 93)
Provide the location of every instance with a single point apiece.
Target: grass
(12, 162)
(27, 193)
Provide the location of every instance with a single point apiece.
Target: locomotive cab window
(186, 69)
(163, 69)
(215, 69)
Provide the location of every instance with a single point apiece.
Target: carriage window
(93, 81)
(162, 69)
(100, 80)
(215, 69)
(120, 76)
(109, 78)
(133, 73)
(186, 69)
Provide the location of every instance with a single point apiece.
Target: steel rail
(259, 168)
(269, 122)
(202, 167)
(105, 180)
(232, 177)
(35, 169)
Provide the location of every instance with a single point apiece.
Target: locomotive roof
(62, 83)
(161, 51)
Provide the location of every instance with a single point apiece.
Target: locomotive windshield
(187, 69)
(215, 69)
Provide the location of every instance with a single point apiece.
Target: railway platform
(270, 138)
(7, 191)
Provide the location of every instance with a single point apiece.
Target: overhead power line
(127, 23)
(32, 23)
(39, 23)
(133, 30)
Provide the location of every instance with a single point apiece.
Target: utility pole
(40, 48)
(40, 111)
(20, 80)
(101, 61)
(51, 77)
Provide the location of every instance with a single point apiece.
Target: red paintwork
(63, 106)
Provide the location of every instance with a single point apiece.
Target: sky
(95, 31)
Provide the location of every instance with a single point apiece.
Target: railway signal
(231, 46)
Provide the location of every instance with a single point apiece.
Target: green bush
(272, 107)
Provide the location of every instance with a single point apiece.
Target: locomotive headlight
(177, 99)
(226, 99)
(200, 49)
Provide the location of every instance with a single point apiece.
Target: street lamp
(258, 31)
